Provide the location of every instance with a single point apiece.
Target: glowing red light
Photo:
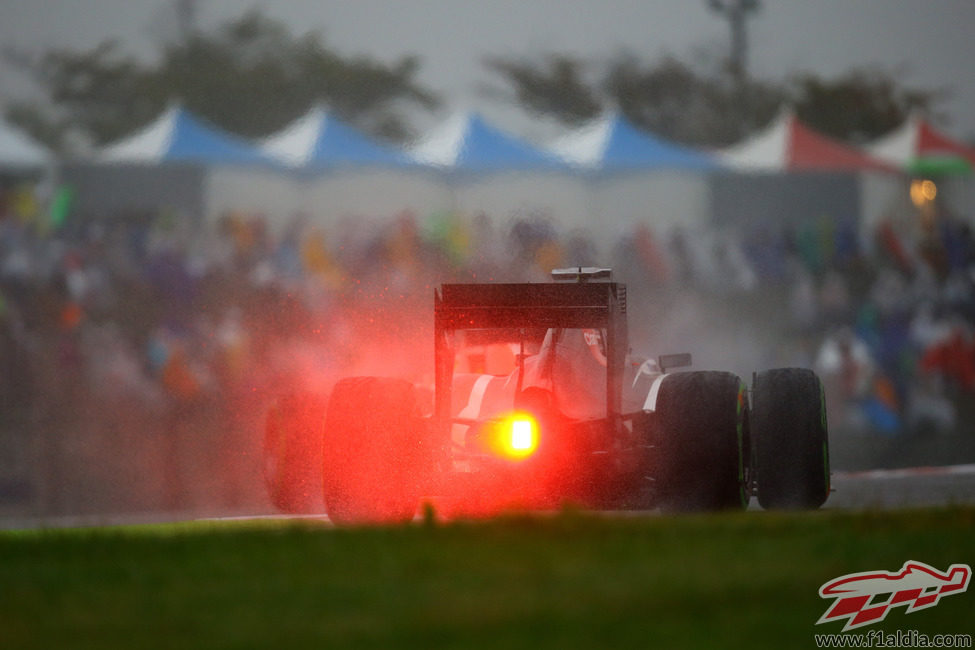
(522, 435)
(517, 436)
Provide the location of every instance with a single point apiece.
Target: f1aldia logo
(866, 598)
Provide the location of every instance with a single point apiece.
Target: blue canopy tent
(320, 140)
(467, 143)
(614, 144)
(181, 164)
(179, 136)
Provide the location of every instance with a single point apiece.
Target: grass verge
(573, 580)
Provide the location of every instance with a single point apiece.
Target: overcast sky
(930, 40)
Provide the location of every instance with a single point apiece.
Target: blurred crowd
(139, 352)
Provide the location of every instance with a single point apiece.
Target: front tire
(703, 447)
(792, 444)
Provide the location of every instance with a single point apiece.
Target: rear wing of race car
(597, 305)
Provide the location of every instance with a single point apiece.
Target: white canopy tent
(18, 151)
(319, 140)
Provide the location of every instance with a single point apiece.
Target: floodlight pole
(736, 11)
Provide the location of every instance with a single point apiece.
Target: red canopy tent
(918, 147)
(789, 145)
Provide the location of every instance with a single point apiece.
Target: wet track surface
(903, 488)
(917, 487)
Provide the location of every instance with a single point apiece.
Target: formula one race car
(537, 403)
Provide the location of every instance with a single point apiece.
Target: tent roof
(916, 140)
(613, 143)
(18, 150)
(320, 139)
(178, 135)
(467, 142)
(789, 145)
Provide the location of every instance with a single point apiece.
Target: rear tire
(792, 444)
(293, 453)
(375, 458)
(703, 453)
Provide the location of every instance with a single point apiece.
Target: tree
(552, 87)
(706, 105)
(693, 107)
(101, 93)
(250, 76)
(860, 105)
(670, 98)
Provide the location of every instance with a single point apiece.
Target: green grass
(748, 580)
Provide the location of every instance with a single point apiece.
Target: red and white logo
(866, 598)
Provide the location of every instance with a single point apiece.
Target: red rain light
(517, 436)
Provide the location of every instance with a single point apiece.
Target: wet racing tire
(374, 457)
(792, 445)
(293, 452)
(702, 444)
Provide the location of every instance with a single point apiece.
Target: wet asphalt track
(917, 487)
